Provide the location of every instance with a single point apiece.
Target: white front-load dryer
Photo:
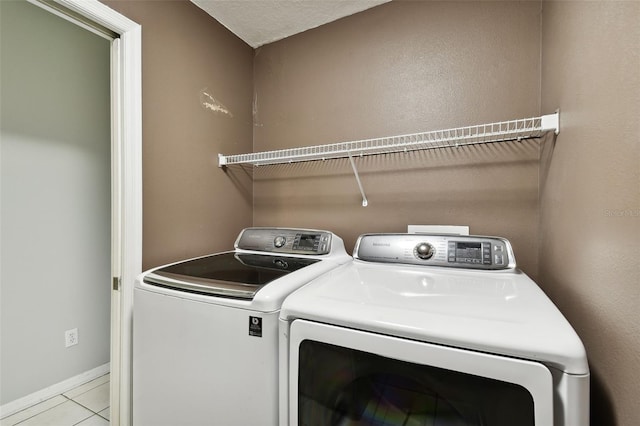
(429, 330)
(205, 336)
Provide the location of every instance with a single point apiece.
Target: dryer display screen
(469, 250)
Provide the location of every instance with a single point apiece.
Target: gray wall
(55, 188)
(590, 199)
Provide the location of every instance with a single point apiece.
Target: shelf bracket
(551, 122)
(365, 203)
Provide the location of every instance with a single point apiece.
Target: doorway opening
(46, 185)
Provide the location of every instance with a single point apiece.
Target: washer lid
(237, 275)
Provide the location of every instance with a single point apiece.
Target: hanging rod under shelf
(503, 131)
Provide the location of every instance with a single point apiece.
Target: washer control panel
(474, 252)
(285, 240)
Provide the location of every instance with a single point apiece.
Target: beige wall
(191, 207)
(400, 68)
(590, 204)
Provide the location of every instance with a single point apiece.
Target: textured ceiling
(259, 22)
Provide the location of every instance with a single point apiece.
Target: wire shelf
(503, 131)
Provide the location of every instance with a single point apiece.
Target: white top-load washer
(205, 330)
(429, 330)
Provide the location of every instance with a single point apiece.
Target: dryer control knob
(424, 251)
(279, 241)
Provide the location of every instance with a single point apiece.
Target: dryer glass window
(343, 386)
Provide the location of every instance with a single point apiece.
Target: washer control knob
(424, 251)
(279, 241)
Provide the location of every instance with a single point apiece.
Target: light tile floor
(86, 405)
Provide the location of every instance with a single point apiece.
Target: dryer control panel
(285, 240)
(471, 252)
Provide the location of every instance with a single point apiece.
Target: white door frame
(126, 179)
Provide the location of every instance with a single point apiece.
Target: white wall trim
(49, 392)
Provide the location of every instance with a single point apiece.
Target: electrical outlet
(71, 337)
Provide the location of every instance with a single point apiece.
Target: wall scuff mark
(254, 110)
(207, 101)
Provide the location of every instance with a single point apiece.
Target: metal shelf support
(365, 202)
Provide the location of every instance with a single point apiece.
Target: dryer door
(349, 377)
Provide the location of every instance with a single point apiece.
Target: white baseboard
(49, 392)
